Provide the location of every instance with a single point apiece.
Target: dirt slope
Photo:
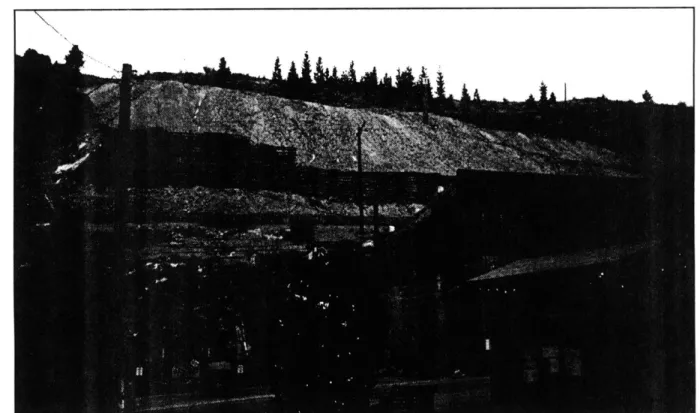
(325, 135)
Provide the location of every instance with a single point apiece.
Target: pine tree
(334, 80)
(386, 81)
(440, 86)
(292, 76)
(223, 74)
(464, 103)
(74, 58)
(351, 73)
(277, 72)
(477, 98)
(425, 90)
(319, 76)
(405, 87)
(530, 102)
(306, 70)
(543, 93)
(326, 75)
(552, 98)
(292, 85)
(441, 100)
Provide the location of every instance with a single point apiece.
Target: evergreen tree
(404, 87)
(530, 102)
(319, 76)
(440, 86)
(386, 91)
(464, 103)
(441, 100)
(74, 58)
(647, 97)
(477, 98)
(292, 76)
(450, 104)
(326, 75)
(334, 76)
(276, 72)
(209, 75)
(306, 70)
(369, 80)
(292, 86)
(74, 61)
(351, 73)
(543, 93)
(552, 98)
(425, 90)
(386, 81)
(223, 74)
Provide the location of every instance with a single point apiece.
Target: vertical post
(564, 92)
(127, 368)
(120, 144)
(359, 178)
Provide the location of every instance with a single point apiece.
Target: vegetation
(611, 124)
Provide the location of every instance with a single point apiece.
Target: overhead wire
(73, 44)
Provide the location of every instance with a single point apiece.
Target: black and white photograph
(340, 209)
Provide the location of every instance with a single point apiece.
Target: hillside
(325, 135)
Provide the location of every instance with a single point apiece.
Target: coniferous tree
(440, 86)
(464, 103)
(543, 94)
(74, 58)
(530, 102)
(647, 97)
(276, 72)
(386, 81)
(223, 74)
(292, 85)
(425, 93)
(292, 76)
(404, 87)
(477, 98)
(306, 70)
(386, 91)
(441, 100)
(352, 76)
(74, 61)
(319, 76)
(450, 104)
(552, 98)
(326, 75)
(374, 80)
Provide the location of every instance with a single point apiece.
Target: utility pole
(359, 177)
(126, 302)
(564, 92)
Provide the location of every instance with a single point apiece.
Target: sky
(502, 53)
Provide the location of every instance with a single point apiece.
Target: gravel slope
(325, 135)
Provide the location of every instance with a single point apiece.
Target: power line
(73, 44)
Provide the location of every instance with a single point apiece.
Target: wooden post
(127, 368)
(120, 144)
(359, 178)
